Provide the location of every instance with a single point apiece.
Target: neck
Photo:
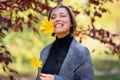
(61, 35)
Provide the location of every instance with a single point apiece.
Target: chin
(58, 31)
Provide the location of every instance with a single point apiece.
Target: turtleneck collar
(64, 39)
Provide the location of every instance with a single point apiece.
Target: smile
(58, 25)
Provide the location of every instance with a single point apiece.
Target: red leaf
(1, 57)
(7, 60)
(9, 23)
(1, 18)
(11, 77)
(16, 28)
(2, 5)
(76, 12)
(96, 13)
(9, 3)
(87, 12)
(36, 31)
(94, 2)
(110, 41)
(7, 52)
(17, 20)
(80, 39)
(29, 23)
(101, 32)
(107, 34)
(94, 31)
(114, 51)
(3, 47)
(119, 47)
(0, 28)
(93, 20)
(22, 19)
(12, 70)
(76, 33)
(36, 19)
(4, 69)
(102, 9)
(30, 16)
(20, 27)
(114, 35)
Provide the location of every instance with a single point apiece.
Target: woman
(65, 58)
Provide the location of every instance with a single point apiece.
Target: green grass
(106, 65)
(105, 62)
(108, 77)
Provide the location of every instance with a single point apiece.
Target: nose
(57, 19)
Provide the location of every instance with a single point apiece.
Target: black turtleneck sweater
(57, 55)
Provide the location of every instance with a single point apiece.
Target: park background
(26, 44)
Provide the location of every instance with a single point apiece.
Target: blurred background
(26, 44)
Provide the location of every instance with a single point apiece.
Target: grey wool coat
(77, 64)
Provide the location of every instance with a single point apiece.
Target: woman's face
(61, 22)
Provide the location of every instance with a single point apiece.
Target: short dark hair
(71, 14)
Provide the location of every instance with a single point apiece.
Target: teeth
(59, 25)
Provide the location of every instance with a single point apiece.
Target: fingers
(44, 76)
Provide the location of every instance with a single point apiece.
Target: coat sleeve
(85, 70)
(37, 78)
(58, 77)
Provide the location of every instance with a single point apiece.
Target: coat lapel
(70, 61)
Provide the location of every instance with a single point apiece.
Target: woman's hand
(46, 76)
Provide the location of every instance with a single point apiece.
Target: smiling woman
(65, 58)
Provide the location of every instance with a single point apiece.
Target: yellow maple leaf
(47, 27)
(36, 62)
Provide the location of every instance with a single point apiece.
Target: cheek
(67, 24)
(53, 22)
(67, 21)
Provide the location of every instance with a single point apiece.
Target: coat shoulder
(78, 46)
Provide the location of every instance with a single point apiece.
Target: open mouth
(58, 25)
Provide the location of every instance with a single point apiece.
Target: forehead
(60, 10)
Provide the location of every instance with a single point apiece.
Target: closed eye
(63, 15)
(53, 17)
